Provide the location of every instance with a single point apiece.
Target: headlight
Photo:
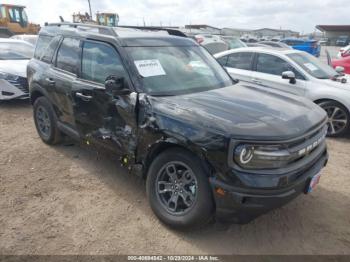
(261, 156)
(8, 76)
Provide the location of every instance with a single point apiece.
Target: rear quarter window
(50, 50)
(41, 45)
(68, 55)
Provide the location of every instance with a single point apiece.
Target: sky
(298, 15)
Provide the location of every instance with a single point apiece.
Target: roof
(10, 40)
(21, 6)
(267, 49)
(298, 39)
(125, 36)
(324, 28)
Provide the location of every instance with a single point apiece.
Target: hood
(241, 111)
(15, 67)
(336, 84)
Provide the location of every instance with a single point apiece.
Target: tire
(46, 121)
(338, 118)
(190, 181)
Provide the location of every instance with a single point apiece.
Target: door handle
(50, 81)
(83, 97)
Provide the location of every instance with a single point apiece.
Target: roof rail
(154, 28)
(106, 30)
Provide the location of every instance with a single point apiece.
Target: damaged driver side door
(103, 115)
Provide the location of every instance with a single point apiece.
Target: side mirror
(289, 75)
(339, 69)
(115, 86)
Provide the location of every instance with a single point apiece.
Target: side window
(50, 50)
(41, 45)
(240, 60)
(100, 61)
(222, 60)
(270, 64)
(68, 55)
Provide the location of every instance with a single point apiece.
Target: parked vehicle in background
(343, 40)
(213, 43)
(295, 72)
(233, 42)
(14, 57)
(275, 44)
(342, 62)
(344, 51)
(28, 38)
(324, 41)
(256, 45)
(204, 143)
(310, 46)
(14, 20)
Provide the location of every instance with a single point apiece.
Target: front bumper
(241, 205)
(17, 89)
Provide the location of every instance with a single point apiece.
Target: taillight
(199, 40)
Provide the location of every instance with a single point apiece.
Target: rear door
(62, 75)
(239, 65)
(268, 73)
(103, 118)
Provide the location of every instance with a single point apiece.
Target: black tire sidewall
(43, 102)
(343, 108)
(202, 210)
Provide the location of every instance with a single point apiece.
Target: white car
(14, 57)
(213, 43)
(31, 39)
(296, 72)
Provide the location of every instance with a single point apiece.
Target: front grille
(21, 83)
(305, 146)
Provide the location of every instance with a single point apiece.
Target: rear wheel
(178, 189)
(338, 118)
(45, 121)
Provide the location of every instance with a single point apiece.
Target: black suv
(206, 144)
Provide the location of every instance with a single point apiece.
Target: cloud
(297, 15)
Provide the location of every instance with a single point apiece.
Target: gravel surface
(72, 200)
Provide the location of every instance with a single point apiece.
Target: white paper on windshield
(149, 68)
(310, 66)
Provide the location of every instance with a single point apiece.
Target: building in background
(269, 33)
(333, 32)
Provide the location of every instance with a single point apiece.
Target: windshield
(313, 66)
(174, 70)
(16, 51)
(235, 43)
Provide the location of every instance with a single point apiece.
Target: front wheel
(338, 118)
(178, 189)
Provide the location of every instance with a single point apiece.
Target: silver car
(296, 72)
(14, 57)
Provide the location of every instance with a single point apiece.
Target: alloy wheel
(337, 119)
(176, 187)
(43, 121)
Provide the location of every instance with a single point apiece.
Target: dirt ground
(71, 200)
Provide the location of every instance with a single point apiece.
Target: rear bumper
(14, 90)
(241, 205)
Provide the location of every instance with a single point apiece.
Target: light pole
(90, 9)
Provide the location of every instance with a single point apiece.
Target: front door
(102, 117)
(268, 73)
